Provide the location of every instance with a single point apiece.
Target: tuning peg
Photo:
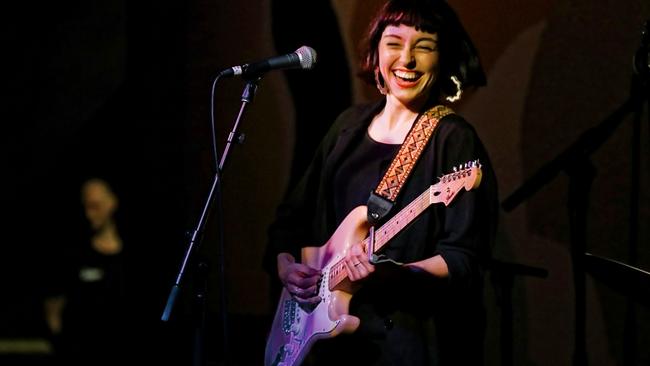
(455, 169)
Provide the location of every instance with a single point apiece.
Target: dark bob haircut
(458, 56)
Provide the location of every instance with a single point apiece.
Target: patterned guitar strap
(383, 198)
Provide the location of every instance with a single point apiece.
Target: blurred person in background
(86, 303)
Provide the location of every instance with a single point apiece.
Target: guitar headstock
(466, 176)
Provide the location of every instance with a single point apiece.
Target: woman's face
(408, 62)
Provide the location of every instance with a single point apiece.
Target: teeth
(408, 75)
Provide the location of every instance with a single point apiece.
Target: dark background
(120, 90)
(95, 89)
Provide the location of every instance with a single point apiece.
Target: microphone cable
(220, 227)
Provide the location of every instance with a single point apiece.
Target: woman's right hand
(300, 280)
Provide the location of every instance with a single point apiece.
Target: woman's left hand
(357, 264)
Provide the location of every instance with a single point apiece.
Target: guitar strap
(383, 198)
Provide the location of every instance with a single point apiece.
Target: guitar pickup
(288, 315)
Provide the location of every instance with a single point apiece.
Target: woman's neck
(393, 123)
(396, 115)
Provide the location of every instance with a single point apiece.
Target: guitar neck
(398, 222)
(442, 192)
(387, 231)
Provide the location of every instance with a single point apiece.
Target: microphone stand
(197, 235)
(575, 162)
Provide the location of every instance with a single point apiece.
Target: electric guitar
(296, 327)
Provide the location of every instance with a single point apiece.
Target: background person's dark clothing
(94, 321)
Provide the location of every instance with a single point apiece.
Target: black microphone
(303, 58)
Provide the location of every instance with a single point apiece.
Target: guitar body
(295, 328)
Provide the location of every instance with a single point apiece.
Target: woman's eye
(426, 48)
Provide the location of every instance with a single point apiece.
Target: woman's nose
(407, 57)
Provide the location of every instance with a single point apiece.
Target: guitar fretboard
(387, 231)
(443, 191)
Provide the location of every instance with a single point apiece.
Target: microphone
(303, 58)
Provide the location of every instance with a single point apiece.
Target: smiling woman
(414, 51)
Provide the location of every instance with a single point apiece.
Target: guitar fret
(401, 219)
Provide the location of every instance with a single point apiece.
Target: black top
(94, 290)
(94, 319)
(360, 174)
(406, 318)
